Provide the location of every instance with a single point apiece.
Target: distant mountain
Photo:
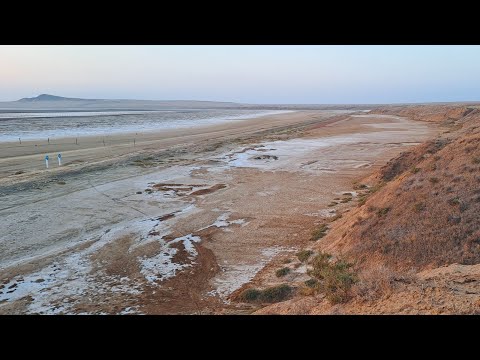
(48, 102)
(48, 97)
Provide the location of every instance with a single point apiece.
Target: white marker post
(46, 161)
(59, 156)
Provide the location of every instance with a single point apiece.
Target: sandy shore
(27, 158)
(185, 219)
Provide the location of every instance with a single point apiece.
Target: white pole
(59, 159)
(46, 161)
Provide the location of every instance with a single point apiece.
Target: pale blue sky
(248, 74)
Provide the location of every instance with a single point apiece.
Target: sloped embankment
(414, 239)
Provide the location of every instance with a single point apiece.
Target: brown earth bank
(411, 245)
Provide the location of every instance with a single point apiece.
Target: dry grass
(335, 278)
(432, 220)
(319, 233)
(304, 255)
(379, 281)
(282, 272)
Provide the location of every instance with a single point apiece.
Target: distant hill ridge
(48, 97)
(54, 102)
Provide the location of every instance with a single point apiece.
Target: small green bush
(311, 283)
(276, 293)
(319, 233)
(304, 255)
(415, 170)
(282, 272)
(362, 199)
(249, 295)
(269, 295)
(335, 279)
(476, 160)
(434, 180)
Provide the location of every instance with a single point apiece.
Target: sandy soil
(181, 223)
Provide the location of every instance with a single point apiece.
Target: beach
(176, 221)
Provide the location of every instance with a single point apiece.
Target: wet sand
(28, 157)
(178, 230)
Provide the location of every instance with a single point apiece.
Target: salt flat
(157, 236)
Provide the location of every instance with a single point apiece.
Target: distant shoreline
(123, 127)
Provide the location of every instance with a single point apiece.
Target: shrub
(270, 295)
(282, 272)
(336, 279)
(287, 261)
(249, 295)
(304, 255)
(311, 283)
(346, 200)
(415, 170)
(333, 203)
(383, 211)
(476, 160)
(319, 233)
(362, 199)
(434, 180)
(275, 293)
(359, 186)
(320, 262)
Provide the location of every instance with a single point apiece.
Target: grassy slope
(423, 215)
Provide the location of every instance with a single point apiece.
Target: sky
(260, 74)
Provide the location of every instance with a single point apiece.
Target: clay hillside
(411, 243)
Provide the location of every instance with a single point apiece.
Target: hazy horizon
(244, 74)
